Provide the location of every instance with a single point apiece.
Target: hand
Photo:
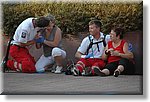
(40, 40)
(110, 50)
(107, 52)
(89, 55)
(115, 53)
(38, 35)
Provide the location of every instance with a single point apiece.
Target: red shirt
(118, 48)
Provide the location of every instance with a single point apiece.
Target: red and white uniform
(22, 60)
(85, 43)
(94, 60)
(25, 32)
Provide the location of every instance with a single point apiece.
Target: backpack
(91, 43)
(69, 67)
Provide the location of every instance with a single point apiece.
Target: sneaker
(58, 70)
(53, 68)
(76, 72)
(98, 72)
(116, 73)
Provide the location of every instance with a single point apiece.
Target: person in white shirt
(25, 35)
(91, 49)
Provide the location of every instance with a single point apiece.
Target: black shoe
(116, 73)
(68, 72)
(4, 66)
(98, 72)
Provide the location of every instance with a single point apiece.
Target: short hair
(119, 31)
(42, 22)
(50, 17)
(96, 22)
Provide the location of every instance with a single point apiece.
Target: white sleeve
(84, 45)
(23, 36)
(107, 38)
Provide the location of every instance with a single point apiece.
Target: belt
(17, 45)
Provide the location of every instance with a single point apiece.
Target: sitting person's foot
(116, 73)
(53, 68)
(76, 72)
(58, 70)
(98, 72)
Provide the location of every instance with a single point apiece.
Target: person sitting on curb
(117, 55)
(91, 49)
(51, 41)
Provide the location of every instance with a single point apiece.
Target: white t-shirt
(25, 32)
(85, 43)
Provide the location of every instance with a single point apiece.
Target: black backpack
(91, 44)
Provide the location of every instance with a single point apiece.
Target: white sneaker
(58, 70)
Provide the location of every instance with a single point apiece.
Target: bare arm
(104, 56)
(127, 54)
(28, 43)
(56, 41)
(78, 54)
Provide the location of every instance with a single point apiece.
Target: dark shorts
(128, 66)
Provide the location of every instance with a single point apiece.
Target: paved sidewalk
(49, 83)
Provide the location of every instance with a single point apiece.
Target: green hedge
(74, 17)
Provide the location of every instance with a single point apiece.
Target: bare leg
(58, 60)
(119, 69)
(99, 72)
(105, 71)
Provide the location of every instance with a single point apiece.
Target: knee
(124, 60)
(106, 71)
(56, 52)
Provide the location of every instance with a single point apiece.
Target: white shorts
(44, 61)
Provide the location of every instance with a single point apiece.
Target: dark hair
(119, 31)
(96, 22)
(42, 22)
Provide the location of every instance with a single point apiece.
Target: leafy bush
(74, 17)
